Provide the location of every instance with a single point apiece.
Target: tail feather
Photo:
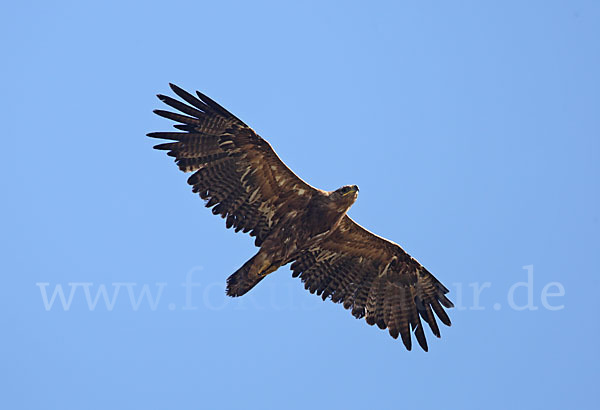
(243, 280)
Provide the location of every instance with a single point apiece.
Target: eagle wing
(375, 278)
(234, 169)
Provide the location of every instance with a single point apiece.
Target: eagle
(242, 179)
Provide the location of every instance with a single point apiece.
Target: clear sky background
(471, 127)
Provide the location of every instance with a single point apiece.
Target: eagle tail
(243, 279)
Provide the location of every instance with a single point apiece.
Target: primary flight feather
(243, 180)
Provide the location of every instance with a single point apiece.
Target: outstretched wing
(234, 169)
(375, 278)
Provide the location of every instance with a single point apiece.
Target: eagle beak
(352, 191)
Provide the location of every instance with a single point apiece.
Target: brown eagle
(243, 180)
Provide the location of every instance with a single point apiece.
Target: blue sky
(471, 127)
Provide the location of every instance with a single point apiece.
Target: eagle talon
(267, 268)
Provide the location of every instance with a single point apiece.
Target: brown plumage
(243, 180)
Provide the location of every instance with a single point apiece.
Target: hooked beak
(352, 191)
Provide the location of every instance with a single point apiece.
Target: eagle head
(344, 197)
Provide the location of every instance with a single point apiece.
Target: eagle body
(318, 215)
(241, 178)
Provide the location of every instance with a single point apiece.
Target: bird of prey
(241, 178)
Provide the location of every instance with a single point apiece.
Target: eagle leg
(267, 268)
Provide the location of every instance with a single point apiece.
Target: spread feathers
(241, 178)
